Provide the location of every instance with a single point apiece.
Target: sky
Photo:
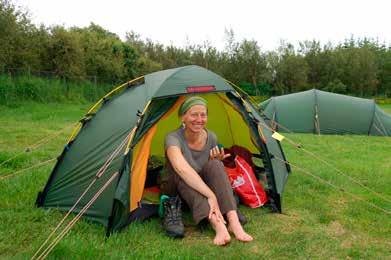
(183, 22)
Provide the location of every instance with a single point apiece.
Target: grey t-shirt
(196, 159)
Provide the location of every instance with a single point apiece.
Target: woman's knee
(167, 186)
(215, 176)
(214, 165)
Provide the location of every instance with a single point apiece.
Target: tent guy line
(127, 141)
(28, 168)
(68, 227)
(99, 173)
(76, 127)
(38, 144)
(319, 158)
(335, 186)
(93, 109)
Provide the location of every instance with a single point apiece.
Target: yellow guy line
(112, 92)
(23, 170)
(74, 132)
(78, 127)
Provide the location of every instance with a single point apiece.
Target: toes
(245, 238)
(240, 234)
(221, 241)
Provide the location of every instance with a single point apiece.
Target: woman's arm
(186, 172)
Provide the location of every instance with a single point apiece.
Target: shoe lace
(173, 213)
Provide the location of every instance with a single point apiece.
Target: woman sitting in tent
(197, 174)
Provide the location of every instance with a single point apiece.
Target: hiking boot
(172, 219)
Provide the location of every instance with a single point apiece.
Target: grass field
(386, 108)
(317, 221)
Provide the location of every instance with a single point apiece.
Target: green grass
(317, 222)
(386, 108)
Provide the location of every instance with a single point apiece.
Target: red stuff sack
(245, 184)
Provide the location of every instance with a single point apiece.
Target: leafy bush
(383, 100)
(31, 88)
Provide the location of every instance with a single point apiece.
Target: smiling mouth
(198, 126)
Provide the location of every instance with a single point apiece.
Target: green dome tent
(124, 129)
(316, 111)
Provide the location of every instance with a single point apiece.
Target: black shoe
(172, 221)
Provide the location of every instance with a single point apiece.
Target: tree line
(360, 67)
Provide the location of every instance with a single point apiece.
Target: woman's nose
(200, 117)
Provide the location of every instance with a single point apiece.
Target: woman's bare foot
(236, 228)
(239, 233)
(222, 237)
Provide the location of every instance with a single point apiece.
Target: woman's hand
(217, 153)
(215, 209)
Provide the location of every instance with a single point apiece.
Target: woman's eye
(198, 115)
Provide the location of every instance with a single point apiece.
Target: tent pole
(381, 124)
(241, 90)
(317, 124)
(274, 125)
(133, 132)
(112, 92)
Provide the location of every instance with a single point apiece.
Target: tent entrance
(223, 118)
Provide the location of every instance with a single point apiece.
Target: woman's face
(195, 118)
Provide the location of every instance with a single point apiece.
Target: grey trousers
(213, 174)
